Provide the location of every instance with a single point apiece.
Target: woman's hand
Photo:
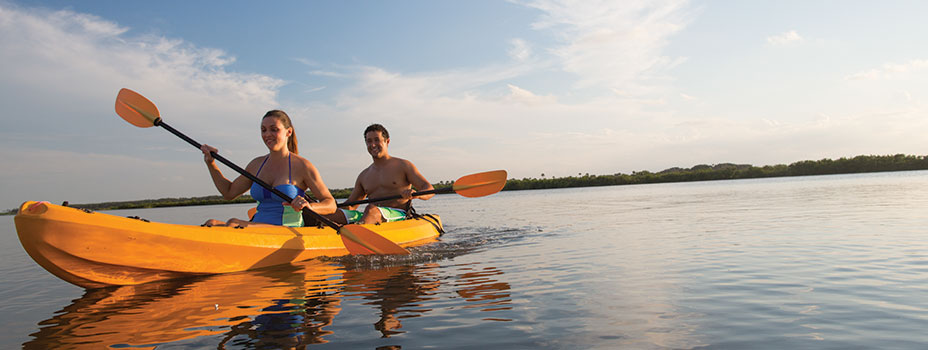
(206, 149)
(299, 203)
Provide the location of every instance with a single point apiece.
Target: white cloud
(79, 55)
(521, 50)
(613, 45)
(330, 74)
(787, 38)
(306, 61)
(60, 74)
(520, 95)
(891, 71)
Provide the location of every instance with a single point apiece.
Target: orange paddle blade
(136, 109)
(360, 240)
(480, 184)
(355, 248)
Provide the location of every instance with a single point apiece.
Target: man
(386, 176)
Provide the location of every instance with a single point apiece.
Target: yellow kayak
(92, 249)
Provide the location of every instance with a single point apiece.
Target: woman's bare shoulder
(298, 159)
(255, 163)
(304, 166)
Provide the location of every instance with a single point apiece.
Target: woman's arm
(313, 182)
(229, 189)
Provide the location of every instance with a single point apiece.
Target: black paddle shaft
(371, 200)
(323, 219)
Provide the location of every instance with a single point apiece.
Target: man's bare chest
(384, 180)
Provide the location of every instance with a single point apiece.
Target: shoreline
(702, 172)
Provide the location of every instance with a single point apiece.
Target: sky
(538, 87)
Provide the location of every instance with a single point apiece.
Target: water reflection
(294, 319)
(397, 292)
(285, 307)
(481, 290)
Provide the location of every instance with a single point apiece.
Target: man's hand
(407, 194)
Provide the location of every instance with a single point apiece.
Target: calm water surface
(830, 262)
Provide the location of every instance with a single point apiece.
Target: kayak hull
(92, 249)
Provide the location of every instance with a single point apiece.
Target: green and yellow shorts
(389, 214)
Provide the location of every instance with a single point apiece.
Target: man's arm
(418, 182)
(357, 193)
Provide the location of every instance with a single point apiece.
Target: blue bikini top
(270, 207)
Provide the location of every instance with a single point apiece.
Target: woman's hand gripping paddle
(472, 186)
(139, 111)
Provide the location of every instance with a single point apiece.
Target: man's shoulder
(396, 161)
(367, 170)
(389, 164)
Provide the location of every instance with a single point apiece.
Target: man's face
(376, 144)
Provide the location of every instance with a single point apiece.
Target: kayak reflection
(170, 311)
(290, 306)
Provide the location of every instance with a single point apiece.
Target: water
(831, 262)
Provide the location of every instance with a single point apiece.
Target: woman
(282, 168)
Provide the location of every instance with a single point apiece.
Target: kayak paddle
(139, 111)
(472, 186)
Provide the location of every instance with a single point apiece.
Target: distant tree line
(163, 202)
(172, 202)
(702, 172)
(729, 171)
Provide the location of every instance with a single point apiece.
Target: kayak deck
(92, 249)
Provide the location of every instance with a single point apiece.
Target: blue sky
(553, 87)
